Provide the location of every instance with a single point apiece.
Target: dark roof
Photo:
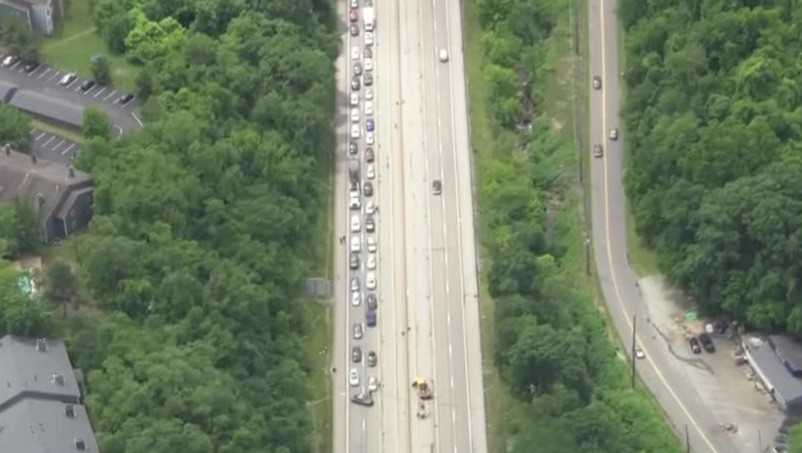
(772, 368)
(6, 90)
(22, 178)
(789, 351)
(36, 387)
(48, 106)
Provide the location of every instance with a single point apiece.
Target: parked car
(369, 93)
(368, 78)
(369, 155)
(707, 342)
(371, 244)
(356, 244)
(370, 224)
(370, 125)
(371, 318)
(10, 60)
(370, 171)
(355, 283)
(356, 226)
(353, 15)
(369, 137)
(598, 151)
(357, 330)
(355, 84)
(368, 52)
(87, 85)
(357, 68)
(695, 346)
(356, 299)
(30, 66)
(356, 131)
(353, 261)
(67, 79)
(597, 82)
(370, 280)
(355, 53)
(373, 384)
(124, 99)
(369, 38)
(367, 189)
(354, 99)
(356, 354)
(371, 261)
(354, 29)
(437, 187)
(353, 148)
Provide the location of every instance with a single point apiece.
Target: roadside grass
(60, 131)
(316, 345)
(75, 41)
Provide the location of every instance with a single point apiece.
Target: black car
(353, 148)
(30, 66)
(371, 300)
(370, 224)
(87, 85)
(357, 68)
(707, 342)
(368, 78)
(353, 261)
(372, 359)
(356, 354)
(124, 99)
(437, 187)
(367, 189)
(369, 156)
(355, 84)
(363, 399)
(695, 347)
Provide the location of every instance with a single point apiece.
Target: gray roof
(49, 106)
(22, 178)
(772, 368)
(789, 351)
(6, 90)
(34, 400)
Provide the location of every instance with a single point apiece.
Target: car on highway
(369, 94)
(598, 151)
(356, 131)
(356, 299)
(443, 54)
(124, 99)
(356, 224)
(369, 108)
(370, 224)
(371, 262)
(368, 64)
(87, 85)
(370, 317)
(357, 331)
(370, 280)
(353, 148)
(354, 29)
(613, 134)
(10, 60)
(30, 66)
(367, 189)
(355, 203)
(353, 377)
(371, 244)
(368, 52)
(354, 99)
(357, 68)
(370, 207)
(372, 359)
(373, 384)
(369, 138)
(356, 243)
(355, 115)
(353, 261)
(639, 354)
(369, 155)
(356, 354)
(355, 84)
(370, 125)
(707, 342)
(371, 300)
(368, 78)
(355, 53)
(355, 283)
(354, 4)
(696, 348)
(363, 398)
(353, 15)
(67, 79)
(437, 187)
(369, 38)
(596, 82)
(370, 171)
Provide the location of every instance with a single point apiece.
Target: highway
(428, 317)
(618, 282)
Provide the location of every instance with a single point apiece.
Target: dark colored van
(371, 318)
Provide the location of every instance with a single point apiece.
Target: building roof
(771, 366)
(21, 177)
(48, 106)
(7, 90)
(40, 410)
(19, 4)
(789, 352)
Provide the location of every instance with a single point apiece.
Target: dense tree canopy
(714, 124)
(15, 129)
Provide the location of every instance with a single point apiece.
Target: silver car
(357, 329)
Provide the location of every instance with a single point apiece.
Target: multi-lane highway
(619, 284)
(428, 318)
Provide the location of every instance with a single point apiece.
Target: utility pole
(634, 331)
(587, 256)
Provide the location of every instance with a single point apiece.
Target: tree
(62, 284)
(95, 124)
(100, 70)
(15, 129)
(20, 39)
(20, 315)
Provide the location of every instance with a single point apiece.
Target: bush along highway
(559, 382)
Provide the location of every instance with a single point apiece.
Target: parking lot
(52, 147)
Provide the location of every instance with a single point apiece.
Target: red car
(353, 15)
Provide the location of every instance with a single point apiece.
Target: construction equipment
(423, 387)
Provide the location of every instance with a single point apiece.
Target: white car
(369, 38)
(368, 64)
(369, 139)
(356, 225)
(443, 55)
(370, 280)
(354, 3)
(355, 115)
(354, 99)
(356, 131)
(353, 377)
(9, 60)
(373, 384)
(356, 299)
(371, 261)
(369, 108)
(371, 244)
(67, 79)
(355, 53)
(356, 203)
(369, 93)
(356, 243)
(370, 172)
(370, 207)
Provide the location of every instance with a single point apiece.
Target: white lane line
(53, 137)
(140, 122)
(44, 73)
(112, 93)
(67, 150)
(613, 278)
(99, 92)
(42, 134)
(58, 145)
(74, 82)
(55, 74)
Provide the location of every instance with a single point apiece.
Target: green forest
(185, 294)
(568, 387)
(714, 137)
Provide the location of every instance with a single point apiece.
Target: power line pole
(587, 256)
(634, 331)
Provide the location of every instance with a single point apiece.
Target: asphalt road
(619, 284)
(427, 288)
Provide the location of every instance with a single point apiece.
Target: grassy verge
(60, 131)
(317, 349)
(75, 41)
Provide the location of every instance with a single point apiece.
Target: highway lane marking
(613, 279)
